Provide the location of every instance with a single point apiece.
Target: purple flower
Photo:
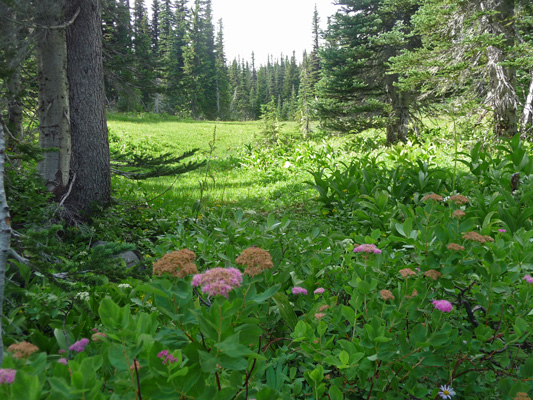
(79, 346)
(502, 230)
(443, 305)
(62, 361)
(218, 281)
(167, 358)
(446, 392)
(367, 248)
(320, 290)
(7, 375)
(299, 290)
(528, 278)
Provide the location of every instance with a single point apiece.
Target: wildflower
(528, 278)
(502, 230)
(443, 305)
(135, 366)
(406, 272)
(413, 294)
(433, 274)
(83, 296)
(7, 375)
(62, 361)
(455, 247)
(433, 196)
(255, 259)
(521, 396)
(79, 346)
(386, 294)
(446, 392)
(62, 351)
(319, 290)
(98, 336)
(458, 213)
(324, 307)
(299, 290)
(459, 199)
(177, 263)
(167, 358)
(124, 286)
(22, 349)
(367, 248)
(476, 237)
(218, 281)
(320, 315)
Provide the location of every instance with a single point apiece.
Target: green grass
(224, 181)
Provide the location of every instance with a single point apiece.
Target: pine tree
(356, 91)
(222, 78)
(142, 55)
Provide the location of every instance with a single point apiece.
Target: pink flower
(443, 305)
(167, 358)
(218, 281)
(62, 361)
(79, 346)
(502, 230)
(61, 351)
(528, 279)
(367, 248)
(7, 375)
(299, 290)
(320, 290)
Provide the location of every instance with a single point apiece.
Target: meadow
(326, 268)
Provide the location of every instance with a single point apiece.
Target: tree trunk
(398, 126)
(502, 78)
(90, 167)
(526, 122)
(54, 128)
(5, 234)
(13, 82)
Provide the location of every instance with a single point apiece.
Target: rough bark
(54, 127)
(5, 234)
(502, 96)
(397, 128)
(90, 166)
(13, 82)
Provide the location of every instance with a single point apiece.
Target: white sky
(267, 27)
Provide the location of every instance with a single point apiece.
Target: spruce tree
(142, 55)
(356, 92)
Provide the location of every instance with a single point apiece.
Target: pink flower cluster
(367, 248)
(299, 290)
(167, 358)
(63, 361)
(7, 375)
(528, 278)
(79, 346)
(218, 281)
(320, 290)
(443, 305)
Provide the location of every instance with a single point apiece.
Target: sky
(267, 27)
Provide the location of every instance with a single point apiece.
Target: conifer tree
(222, 78)
(356, 91)
(143, 60)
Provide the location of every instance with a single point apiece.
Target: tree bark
(503, 96)
(54, 127)
(90, 165)
(526, 122)
(5, 234)
(398, 126)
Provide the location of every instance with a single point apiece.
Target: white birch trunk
(526, 122)
(5, 234)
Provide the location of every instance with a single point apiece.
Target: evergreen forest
(350, 223)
